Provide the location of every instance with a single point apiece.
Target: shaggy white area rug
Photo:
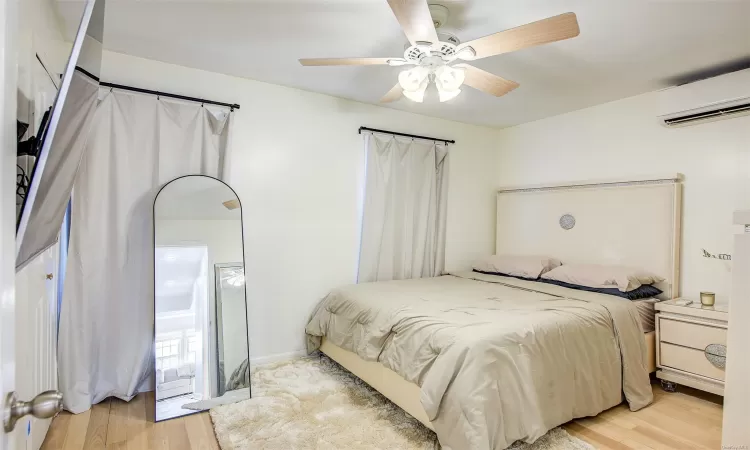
(313, 403)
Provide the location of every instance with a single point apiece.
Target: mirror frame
(153, 273)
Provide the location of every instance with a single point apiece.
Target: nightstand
(691, 345)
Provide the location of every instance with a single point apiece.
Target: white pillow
(600, 276)
(518, 266)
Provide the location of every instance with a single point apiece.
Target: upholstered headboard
(633, 223)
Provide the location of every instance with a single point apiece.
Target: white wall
(40, 33)
(623, 138)
(297, 166)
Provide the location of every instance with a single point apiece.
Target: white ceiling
(176, 271)
(195, 198)
(626, 47)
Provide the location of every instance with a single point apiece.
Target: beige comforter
(498, 359)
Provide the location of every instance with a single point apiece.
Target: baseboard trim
(277, 357)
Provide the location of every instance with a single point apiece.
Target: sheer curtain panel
(137, 143)
(404, 214)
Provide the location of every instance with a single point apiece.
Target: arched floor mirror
(201, 346)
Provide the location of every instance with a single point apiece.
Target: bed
(486, 360)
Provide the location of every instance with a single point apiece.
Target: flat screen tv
(62, 140)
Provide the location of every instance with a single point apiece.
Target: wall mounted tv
(62, 140)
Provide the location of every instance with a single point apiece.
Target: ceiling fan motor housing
(439, 15)
(446, 49)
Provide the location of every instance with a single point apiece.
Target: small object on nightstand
(708, 298)
(691, 340)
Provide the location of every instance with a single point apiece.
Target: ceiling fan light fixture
(449, 78)
(411, 80)
(429, 50)
(447, 95)
(418, 94)
(235, 280)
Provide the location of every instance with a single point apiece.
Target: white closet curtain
(137, 143)
(403, 220)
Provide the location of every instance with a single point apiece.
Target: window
(174, 350)
(167, 354)
(192, 348)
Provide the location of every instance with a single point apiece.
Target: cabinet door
(36, 340)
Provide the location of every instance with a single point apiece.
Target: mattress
(647, 313)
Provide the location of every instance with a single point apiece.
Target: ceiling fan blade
(394, 94)
(415, 19)
(551, 29)
(231, 204)
(485, 81)
(343, 61)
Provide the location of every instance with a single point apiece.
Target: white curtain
(137, 143)
(404, 215)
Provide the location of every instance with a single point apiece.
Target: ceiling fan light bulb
(417, 95)
(412, 79)
(459, 75)
(449, 78)
(448, 95)
(407, 80)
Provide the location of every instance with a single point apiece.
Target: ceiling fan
(433, 52)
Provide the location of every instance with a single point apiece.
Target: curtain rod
(447, 141)
(231, 106)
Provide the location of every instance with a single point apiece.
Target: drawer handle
(716, 354)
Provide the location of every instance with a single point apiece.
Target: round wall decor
(567, 221)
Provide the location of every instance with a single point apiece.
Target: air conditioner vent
(724, 97)
(721, 113)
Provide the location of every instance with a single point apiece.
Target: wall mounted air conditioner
(708, 100)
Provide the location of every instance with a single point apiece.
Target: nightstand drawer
(691, 334)
(688, 360)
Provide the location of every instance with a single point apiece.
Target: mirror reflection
(200, 311)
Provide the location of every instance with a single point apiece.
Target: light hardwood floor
(115, 424)
(684, 420)
(688, 419)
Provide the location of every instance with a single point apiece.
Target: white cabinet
(691, 345)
